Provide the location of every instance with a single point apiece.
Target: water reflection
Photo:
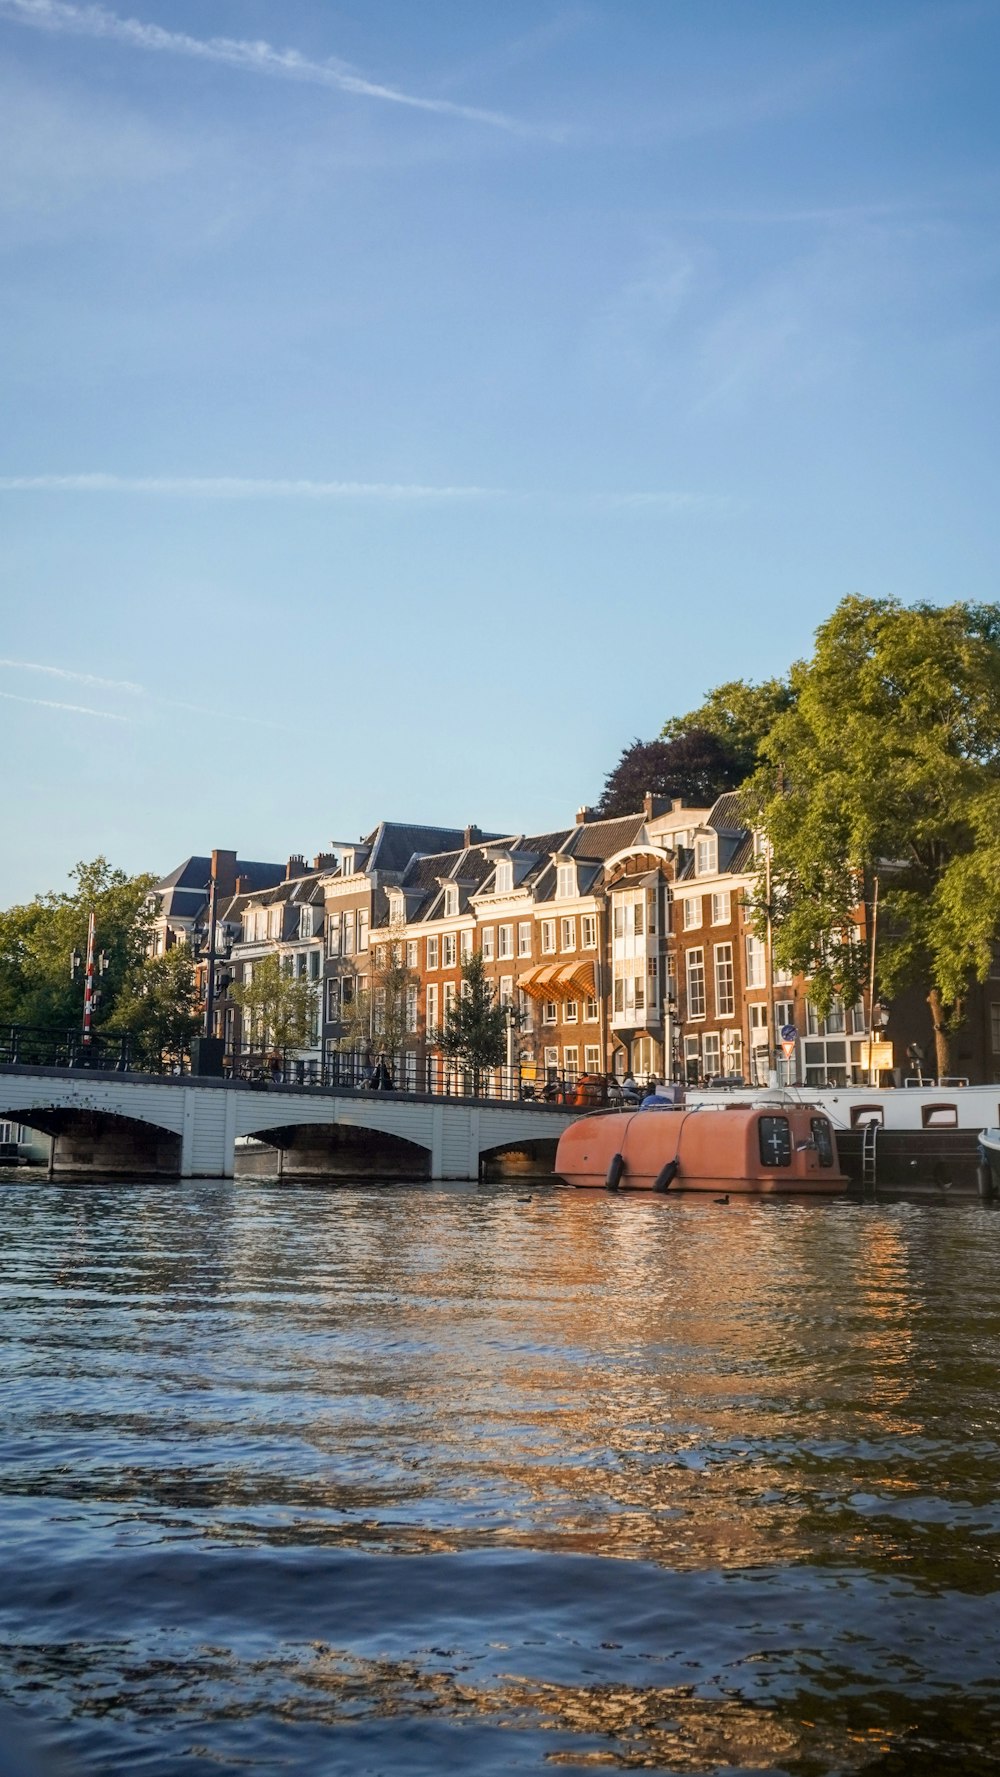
(726, 1476)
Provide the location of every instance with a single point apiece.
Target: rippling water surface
(416, 1479)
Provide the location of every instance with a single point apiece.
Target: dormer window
(450, 901)
(706, 856)
(505, 878)
(396, 914)
(305, 922)
(565, 881)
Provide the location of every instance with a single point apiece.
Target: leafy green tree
(376, 1018)
(37, 938)
(887, 763)
(279, 1009)
(474, 1032)
(159, 1007)
(739, 716)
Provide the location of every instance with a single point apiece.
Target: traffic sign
(788, 1048)
(788, 1033)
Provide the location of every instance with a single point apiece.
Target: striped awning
(560, 981)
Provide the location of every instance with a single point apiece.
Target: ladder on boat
(869, 1150)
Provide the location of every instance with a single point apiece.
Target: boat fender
(984, 1176)
(666, 1175)
(616, 1166)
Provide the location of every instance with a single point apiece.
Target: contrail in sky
(76, 709)
(236, 487)
(233, 52)
(64, 672)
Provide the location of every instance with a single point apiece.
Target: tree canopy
(887, 763)
(739, 716)
(37, 938)
(159, 1005)
(694, 766)
(279, 1009)
(475, 1025)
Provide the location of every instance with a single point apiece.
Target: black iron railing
(350, 1071)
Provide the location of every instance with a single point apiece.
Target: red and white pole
(88, 980)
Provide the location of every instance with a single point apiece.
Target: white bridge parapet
(208, 1116)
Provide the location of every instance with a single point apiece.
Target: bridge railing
(351, 1071)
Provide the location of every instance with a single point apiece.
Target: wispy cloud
(235, 487)
(75, 709)
(246, 56)
(65, 672)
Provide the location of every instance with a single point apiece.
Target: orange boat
(752, 1148)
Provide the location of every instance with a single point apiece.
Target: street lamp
(91, 995)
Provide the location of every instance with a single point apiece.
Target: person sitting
(630, 1089)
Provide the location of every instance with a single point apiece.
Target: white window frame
(547, 937)
(725, 981)
(722, 907)
(694, 971)
(706, 855)
(504, 881)
(567, 933)
(566, 882)
(505, 943)
(588, 931)
(433, 952)
(486, 943)
(448, 950)
(692, 913)
(524, 937)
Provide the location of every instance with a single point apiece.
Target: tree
(887, 763)
(694, 765)
(474, 1033)
(36, 940)
(159, 1007)
(279, 1009)
(739, 715)
(377, 1017)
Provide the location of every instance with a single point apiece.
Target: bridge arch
(89, 1140)
(329, 1149)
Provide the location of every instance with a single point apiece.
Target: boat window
(775, 1137)
(824, 1140)
(939, 1116)
(867, 1113)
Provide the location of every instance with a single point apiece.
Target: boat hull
(744, 1150)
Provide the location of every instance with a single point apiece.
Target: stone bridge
(134, 1124)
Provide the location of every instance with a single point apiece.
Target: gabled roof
(184, 891)
(394, 843)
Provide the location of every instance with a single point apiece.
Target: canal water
(418, 1479)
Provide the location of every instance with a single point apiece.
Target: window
(411, 1006)
(305, 922)
(349, 933)
(568, 933)
(619, 919)
(432, 953)
(638, 921)
(725, 993)
(651, 900)
(524, 938)
(722, 907)
(692, 1060)
(449, 946)
(619, 999)
(431, 1008)
(588, 931)
(487, 944)
(571, 1060)
(411, 953)
(333, 1001)
(732, 1052)
(551, 1060)
(695, 961)
(465, 944)
(333, 935)
(756, 962)
(784, 1013)
(692, 913)
(565, 881)
(450, 901)
(548, 936)
(504, 878)
(525, 1008)
(571, 1012)
(347, 991)
(450, 996)
(362, 928)
(550, 1012)
(711, 1054)
(775, 1137)
(314, 965)
(591, 1010)
(822, 1136)
(506, 990)
(505, 942)
(592, 1059)
(274, 922)
(380, 956)
(705, 856)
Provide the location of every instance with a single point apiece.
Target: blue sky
(405, 406)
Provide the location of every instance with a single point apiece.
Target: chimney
(296, 867)
(583, 814)
(325, 860)
(242, 885)
(676, 804)
(224, 872)
(473, 835)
